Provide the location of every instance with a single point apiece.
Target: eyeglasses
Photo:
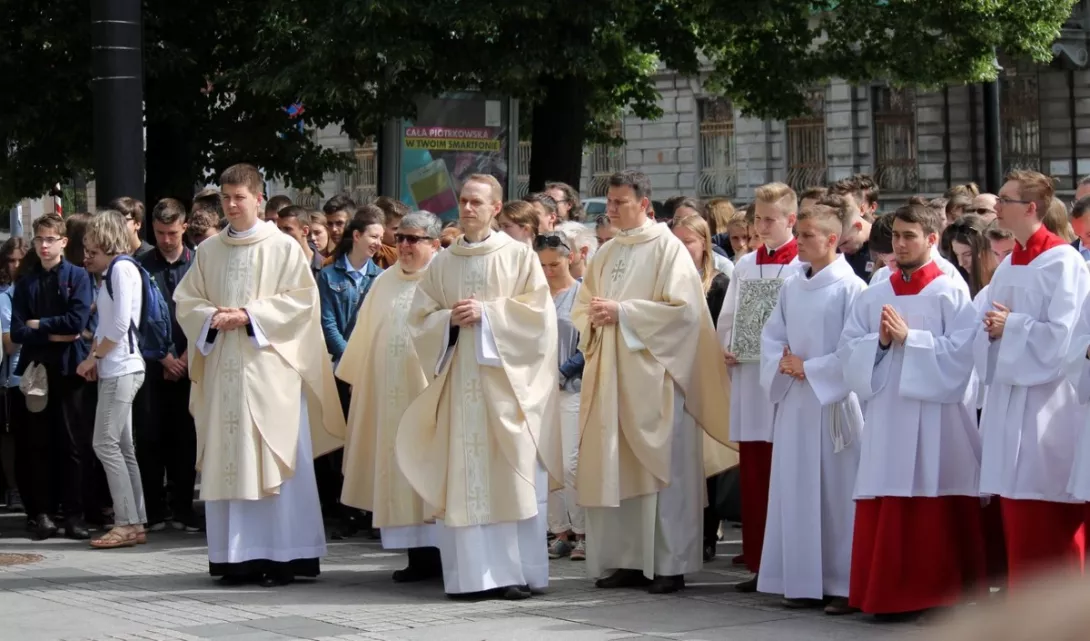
(45, 241)
(550, 241)
(411, 239)
(1003, 201)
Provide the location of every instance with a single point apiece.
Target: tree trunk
(559, 130)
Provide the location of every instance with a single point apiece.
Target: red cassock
(916, 553)
(754, 475)
(1042, 535)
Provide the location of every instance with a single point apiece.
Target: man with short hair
(811, 196)
(295, 222)
(1001, 241)
(854, 245)
(201, 225)
(905, 352)
(1080, 224)
(394, 210)
(338, 210)
(264, 399)
(166, 438)
(1032, 417)
(568, 205)
(867, 194)
(654, 390)
(50, 307)
(275, 205)
(474, 443)
(133, 211)
(984, 206)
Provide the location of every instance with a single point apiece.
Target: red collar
(1041, 241)
(919, 279)
(782, 256)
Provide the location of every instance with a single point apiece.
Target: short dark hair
(925, 217)
(1080, 207)
(546, 201)
(994, 232)
(209, 200)
(572, 196)
(392, 207)
(338, 203)
(200, 221)
(867, 187)
(881, 235)
(276, 203)
(168, 211)
(363, 218)
(244, 175)
(370, 215)
(677, 202)
(130, 208)
(295, 211)
(637, 180)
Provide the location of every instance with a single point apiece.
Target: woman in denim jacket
(344, 283)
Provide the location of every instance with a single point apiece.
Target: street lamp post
(993, 159)
(117, 87)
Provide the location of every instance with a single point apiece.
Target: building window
(361, 182)
(718, 169)
(806, 161)
(605, 160)
(895, 139)
(1020, 119)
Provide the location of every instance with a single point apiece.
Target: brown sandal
(142, 537)
(114, 539)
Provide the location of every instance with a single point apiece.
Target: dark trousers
(55, 460)
(328, 470)
(166, 444)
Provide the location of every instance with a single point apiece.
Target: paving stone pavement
(162, 592)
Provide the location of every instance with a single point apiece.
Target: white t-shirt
(117, 319)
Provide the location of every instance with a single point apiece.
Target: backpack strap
(110, 292)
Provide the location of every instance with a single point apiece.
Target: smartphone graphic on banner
(433, 189)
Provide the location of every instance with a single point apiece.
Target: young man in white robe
(1032, 416)
(386, 374)
(906, 351)
(752, 412)
(653, 385)
(264, 399)
(478, 442)
(808, 538)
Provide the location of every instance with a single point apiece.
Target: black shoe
(413, 574)
(667, 584)
(277, 579)
(623, 579)
(747, 587)
(76, 530)
(44, 528)
(517, 593)
(709, 552)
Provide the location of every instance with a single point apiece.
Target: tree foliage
(363, 62)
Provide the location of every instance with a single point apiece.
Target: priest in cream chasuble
(655, 406)
(263, 394)
(381, 365)
(475, 445)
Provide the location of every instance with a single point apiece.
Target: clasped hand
(228, 318)
(996, 320)
(466, 312)
(604, 312)
(791, 365)
(893, 328)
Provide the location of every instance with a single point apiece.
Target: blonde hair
(699, 226)
(827, 216)
(1056, 220)
(968, 189)
(1035, 187)
(522, 214)
(778, 194)
(108, 231)
(718, 211)
(490, 180)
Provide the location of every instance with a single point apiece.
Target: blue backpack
(154, 326)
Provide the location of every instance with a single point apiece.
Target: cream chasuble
(470, 443)
(626, 413)
(243, 395)
(381, 365)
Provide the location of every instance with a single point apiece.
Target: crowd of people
(903, 393)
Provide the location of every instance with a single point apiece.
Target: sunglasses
(551, 241)
(409, 238)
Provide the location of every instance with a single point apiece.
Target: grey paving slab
(299, 626)
(672, 615)
(216, 630)
(809, 628)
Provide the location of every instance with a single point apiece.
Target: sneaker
(559, 549)
(189, 526)
(157, 527)
(579, 552)
(15, 502)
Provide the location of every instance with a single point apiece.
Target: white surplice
(751, 413)
(808, 536)
(1078, 369)
(1032, 418)
(921, 437)
(948, 268)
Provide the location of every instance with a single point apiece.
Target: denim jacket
(341, 298)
